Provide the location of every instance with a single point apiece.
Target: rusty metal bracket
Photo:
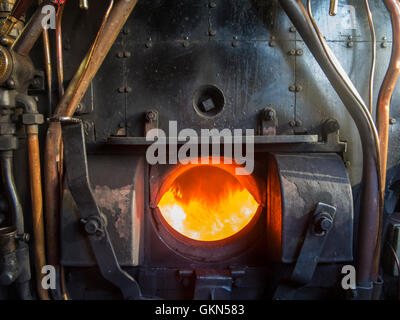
(95, 225)
(317, 233)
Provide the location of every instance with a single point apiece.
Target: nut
(32, 118)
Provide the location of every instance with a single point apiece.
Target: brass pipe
(333, 7)
(384, 99)
(111, 26)
(47, 60)
(60, 66)
(388, 85)
(37, 207)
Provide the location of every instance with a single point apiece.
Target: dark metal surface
(306, 180)
(95, 224)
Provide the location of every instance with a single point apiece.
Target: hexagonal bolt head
(32, 118)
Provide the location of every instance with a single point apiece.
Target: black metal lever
(95, 223)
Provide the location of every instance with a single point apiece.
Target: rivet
(292, 29)
(292, 88)
(299, 52)
(392, 121)
(350, 44)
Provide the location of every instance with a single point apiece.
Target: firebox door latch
(317, 233)
(94, 221)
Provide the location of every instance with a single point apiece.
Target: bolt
(298, 123)
(151, 115)
(121, 89)
(292, 29)
(292, 52)
(272, 43)
(186, 43)
(11, 83)
(120, 54)
(323, 223)
(128, 89)
(347, 164)
(392, 121)
(384, 38)
(350, 44)
(299, 52)
(36, 83)
(292, 88)
(148, 44)
(299, 88)
(212, 32)
(212, 4)
(331, 126)
(91, 226)
(384, 45)
(292, 123)
(25, 237)
(127, 54)
(235, 43)
(350, 38)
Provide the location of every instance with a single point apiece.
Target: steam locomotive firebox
(203, 149)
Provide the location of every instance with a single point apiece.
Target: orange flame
(206, 203)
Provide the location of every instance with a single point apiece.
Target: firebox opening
(207, 203)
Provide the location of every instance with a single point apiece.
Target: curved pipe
(370, 206)
(109, 30)
(373, 57)
(388, 85)
(384, 99)
(7, 177)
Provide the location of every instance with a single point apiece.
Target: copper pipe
(384, 99)
(388, 85)
(47, 59)
(373, 58)
(37, 207)
(333, 7)
(111, 26)
(60, 67)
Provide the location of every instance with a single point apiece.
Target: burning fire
(207, 203)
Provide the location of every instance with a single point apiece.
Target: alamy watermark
(49, 20)
(195, 149)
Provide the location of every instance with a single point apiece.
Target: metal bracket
(268, 122)
(95, 225)
(317, 233)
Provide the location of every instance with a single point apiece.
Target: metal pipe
(384, 99)
(333, 7)
(373, 58)
(60, 67)
(7, 176)
(370, 205)
(37, 207)
(29, 105)
(388, 85)
(47, 59)
(109, 30)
